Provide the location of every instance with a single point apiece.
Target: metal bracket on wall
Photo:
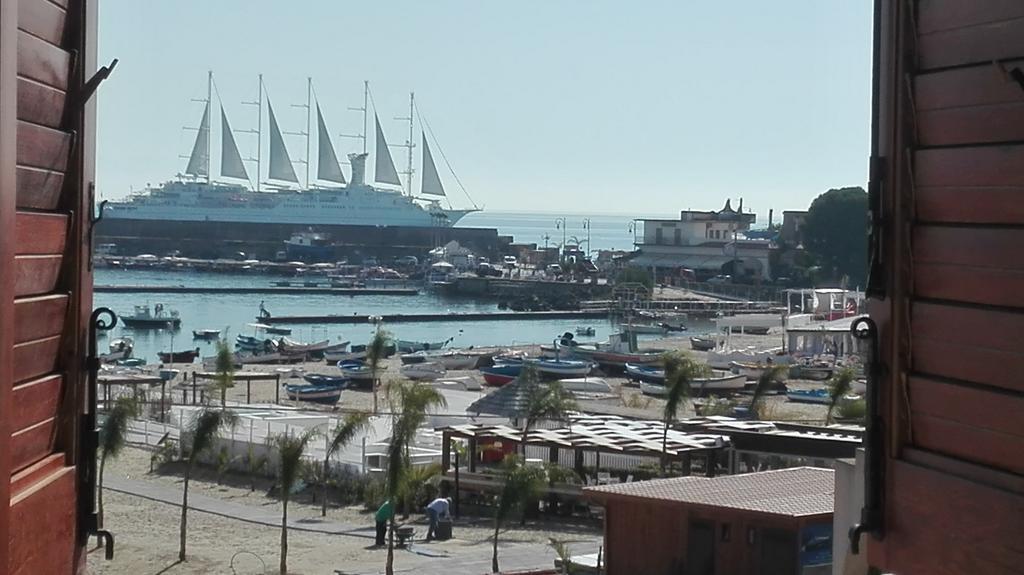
(95, 215)
(102, 319)
(871, 515)
(90, 86)
(876, 283)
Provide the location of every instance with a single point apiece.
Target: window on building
(657, 236)
(679, 237)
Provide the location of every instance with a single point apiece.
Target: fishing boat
(752, 371)
(655, 389)
(585, 385)
(586, 331)
(645, 373)
(333, 357)
(186, 356)
(702, 343)
(325, 380)
(254, 344)
(644, 329)
(405, 346)
(615, 354)
(723, 358)
(359, 372)
(427, 371)
(206, 334)
(159, 318)
(294, 347)
(118, 350)
(813, 372)
(560, 367)
(819, 396)
(501, 374)
(450, 359)
(324, 394)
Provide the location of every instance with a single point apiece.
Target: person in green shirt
(384, 514)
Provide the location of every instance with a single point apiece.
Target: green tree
(290, 448)
(521, 483)
(113, 436)
(836, 231)
(203, 429)
(375, 351)
(543, 402)
(347, 429)
(635, 275)
(680, 371)
(225, 366)
(769, 377)
(839, 386)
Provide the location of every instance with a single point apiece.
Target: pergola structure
(247, 376)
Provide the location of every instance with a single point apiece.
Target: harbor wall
(212, 240)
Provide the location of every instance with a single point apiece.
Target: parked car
(510, 262)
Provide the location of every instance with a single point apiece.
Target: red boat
(187, 356)
(499, 375)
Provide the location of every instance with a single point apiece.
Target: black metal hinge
(872, 520)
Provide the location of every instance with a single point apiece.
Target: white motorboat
(723, 359)
(426, 371)
(719, 381)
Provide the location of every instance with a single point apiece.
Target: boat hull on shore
(323, 394)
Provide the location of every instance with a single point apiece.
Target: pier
(277, 290)
(436, 317)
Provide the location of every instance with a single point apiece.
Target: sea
(234, 313)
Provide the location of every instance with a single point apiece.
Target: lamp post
(560, 225)
(586, 226)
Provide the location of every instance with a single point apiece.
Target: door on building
(778, 551)
(700, 548)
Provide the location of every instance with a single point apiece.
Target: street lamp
(560, 225)
(586, 226)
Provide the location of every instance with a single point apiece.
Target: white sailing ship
(275, 195)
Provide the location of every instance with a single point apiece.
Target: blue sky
(587, 106)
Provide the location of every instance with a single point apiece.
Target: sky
(578, 106)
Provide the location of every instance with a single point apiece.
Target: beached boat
(325, 394)
(717, 382)
(702, 343)
(325, 380)
(405, 346)
(560, 367)
(722, 359)
(254, 344)
(645, 373)
(644, 329)
(206, 334)
(333, 357)
(359, 372)
(814, 372)
(427, 371)
(159, 318)
(501, 374)
(292, 347)
(752, 371)
(655, 389)
(617, 352)
(185, 356)
(585, 385)
(819, 396)
(450, 359)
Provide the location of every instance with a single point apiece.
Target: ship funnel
(358, 162)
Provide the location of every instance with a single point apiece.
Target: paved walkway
(465, 560)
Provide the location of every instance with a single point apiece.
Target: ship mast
(366, 117)
(259, 129)
(209, 132)
(409, 144)
(308, 106)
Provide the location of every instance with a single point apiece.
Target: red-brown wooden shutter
(45, 284)
(950, 138)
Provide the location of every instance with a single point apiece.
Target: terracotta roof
(795, 492)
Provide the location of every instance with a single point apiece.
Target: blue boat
(501, 374)
(358, 372)
(325, 394)
(820, 395)
(321, 379)
(645, 373)
(560, 367)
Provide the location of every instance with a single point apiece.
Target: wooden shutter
(45, 284)
(948, 276)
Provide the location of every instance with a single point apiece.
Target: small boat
(586, 331)
(655, 389)
(292, 347)
(585, 385)
(130, 362)
(675, 328)
(206, 334)
(333, 357)
(359, 372)
(719, 381)
(325, 380)
(819, 396)
(721, 359)
(702, 343)
(645, 373)
(404, 346)
(643, 329)
(159, 318)
(325, 394)
(450, 359)
(501, 374)
(119, 349)
(250, 343)
(509, 359)
(561, 367)
(337, 347)
(752, 371)
(812, 372)
(427, 371)
(187, 356)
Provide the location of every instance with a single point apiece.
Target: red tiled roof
(795, 492)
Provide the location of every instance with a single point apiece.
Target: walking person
(437, 509)
(384, 514)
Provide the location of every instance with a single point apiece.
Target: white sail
(231, 165)
(384, 169)
(431, 182)
(199, 160)
(281, 167)
(327, 166)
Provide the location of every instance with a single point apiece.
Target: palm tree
(838, 387)
(521, 484)
(347, 429)
(225, 370)
(203, 429)
(409, 403)
(290, 449)
(769, 376)
(543, 402)
(113, 436)
(680, 371)
(375, 351)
